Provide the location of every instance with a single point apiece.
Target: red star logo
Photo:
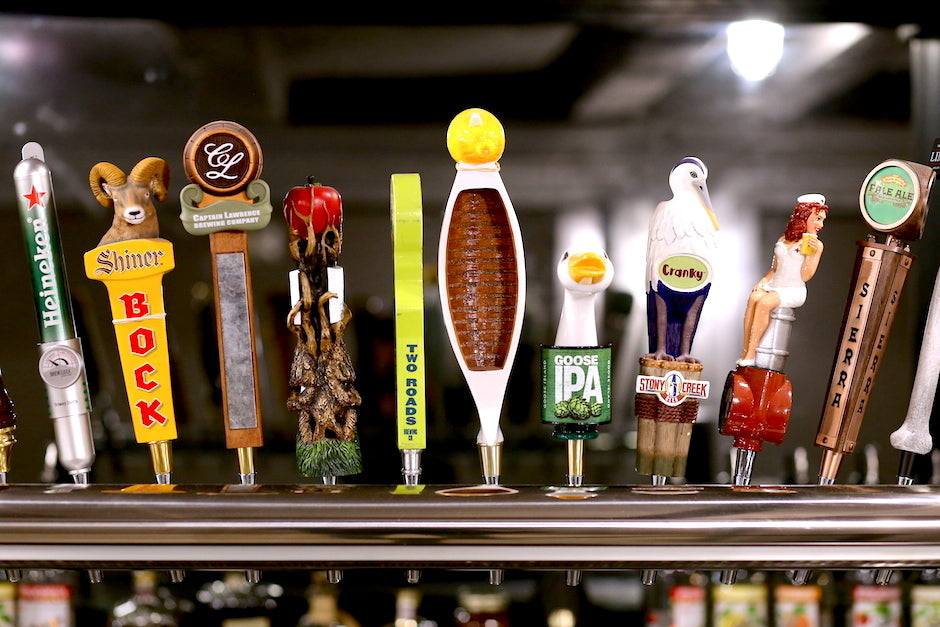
(34, 197)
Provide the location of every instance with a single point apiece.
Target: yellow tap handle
(133, 272)
(407, 239)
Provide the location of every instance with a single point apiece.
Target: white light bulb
(755, 48)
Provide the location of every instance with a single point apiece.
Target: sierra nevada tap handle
(893, 200)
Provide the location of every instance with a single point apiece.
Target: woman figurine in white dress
(796, 257)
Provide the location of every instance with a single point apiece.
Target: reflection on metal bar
(347, 526)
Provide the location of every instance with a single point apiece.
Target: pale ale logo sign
(671, 388)
(684, 273)
(889, 195)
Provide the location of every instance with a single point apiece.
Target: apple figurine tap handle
(893, 200)
(321, 376)
(482, 274)
(681, 248)
(225, 200)
(576, 372)
(757, 397)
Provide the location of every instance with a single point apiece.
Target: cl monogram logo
(218, 156)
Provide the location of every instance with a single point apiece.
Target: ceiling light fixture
(755, 48)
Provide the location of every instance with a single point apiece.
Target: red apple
(310, 208)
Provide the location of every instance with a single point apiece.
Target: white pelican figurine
(482, 281)
(683, 240)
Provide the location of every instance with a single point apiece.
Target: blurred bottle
(44, 599)
(797, 606)
(925, 600)
(234, 602)
(687, 594)
(323, 605)
(741, 604)
(145, 607)
(874, 605)
(7, 604)
(482, 608)
(407, 601)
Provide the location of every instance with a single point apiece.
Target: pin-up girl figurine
(796, 257)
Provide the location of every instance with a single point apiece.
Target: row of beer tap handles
(479, 223)
(482, 284)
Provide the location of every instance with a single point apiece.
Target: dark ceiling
(372, 88)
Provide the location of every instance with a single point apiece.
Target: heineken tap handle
(61, 363)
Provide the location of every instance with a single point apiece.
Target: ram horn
(105, 173)
(152, 171)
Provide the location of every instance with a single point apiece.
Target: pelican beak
(586, 268)
(702, 192)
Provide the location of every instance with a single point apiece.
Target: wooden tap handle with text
(224, 201)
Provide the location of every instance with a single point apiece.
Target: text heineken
(48, 293)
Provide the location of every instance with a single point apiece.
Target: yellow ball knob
(475, 136)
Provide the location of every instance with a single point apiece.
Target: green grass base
(329, 458)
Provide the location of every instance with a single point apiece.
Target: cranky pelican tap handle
(682, 243)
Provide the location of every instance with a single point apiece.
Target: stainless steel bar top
(345, 526)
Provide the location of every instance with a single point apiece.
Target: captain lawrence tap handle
(131, 260)
(408, 250)
(224, 200)
(61, 363)
(893, 200)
